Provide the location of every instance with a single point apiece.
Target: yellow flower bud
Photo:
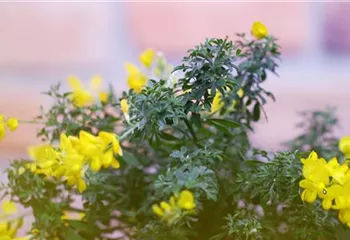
(157, 210)
(186, 200)
(12, 124)
(9, 207)
(21, 170)
(309, 196)
(146, 57)
(165, 206)
(259, 30)
(103, 97)
(240, 93)
(124, 106)
(344, 145)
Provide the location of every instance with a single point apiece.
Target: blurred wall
(42, 43)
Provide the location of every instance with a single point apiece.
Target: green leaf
(256, 112)
(224, 122)
(238, 51)
(71, 235)
(130, 159)
(168, 137)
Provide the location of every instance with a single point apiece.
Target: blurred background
(43, 43)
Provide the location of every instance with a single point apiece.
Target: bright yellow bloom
(259, 30)
(136, 79)
(103, 97)
(316, 175)
(84, 97)
(178, 205)
(337, 171)
(217, 103)
(157, 210)
(315, 169)
(9, 207)
(330, 194)
(80, 96)
(12, 124)
(124, 106)
(186, 200)
(240, 93)
(344, 216)
(110, 140)
(45, 157)
(73, 164)
(344, 145)
(147, 57)
(100, 150)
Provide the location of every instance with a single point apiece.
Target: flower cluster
(10, 123)
(330, 181)
(177, 206)
(137, 78)
(73, 156)
(81, 96)
(9, 228)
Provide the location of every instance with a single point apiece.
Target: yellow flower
(136, 79)
(330, 194)
(147, 57)
(178, 206)
(240, 93)
(259, 30)
(84, 97)
(124, 106)
(9, 207)
(21, 170)
(80, 96)
(111, 140)
(45, 157)
(186, 200)
(344, 145)
(12, 124)
(337, 171)
(316, 173)
(217, 103)
(157, 210)
(103, 97)
(344, 216)
(315, 169)
(73, 164)
(100, 150)
(165, 206)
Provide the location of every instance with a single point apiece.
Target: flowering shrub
(171, 157)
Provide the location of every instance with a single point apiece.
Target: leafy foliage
(318, 133)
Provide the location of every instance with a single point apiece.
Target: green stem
(30, 121)
(126, 133)
(193, 134)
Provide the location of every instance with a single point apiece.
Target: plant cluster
(171, 158)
